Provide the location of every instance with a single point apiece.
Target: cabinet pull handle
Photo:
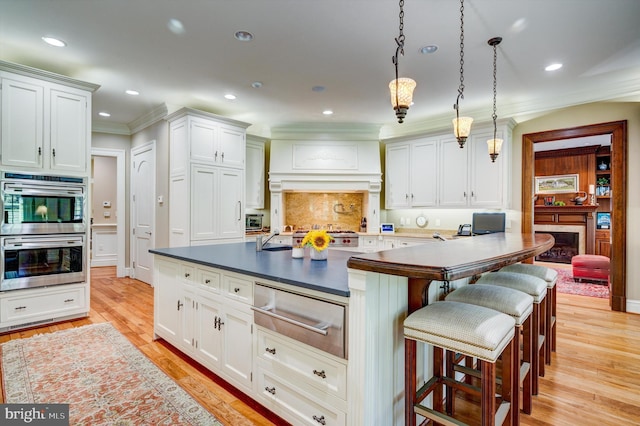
(223, 156)
(39, 151)
(271, 390)
(236, 290)
(320, 373)
(187, 275)
(215, 156)
(239, 210)
(406, 196)
(271, 351)
(465, 194)
(180, 304)
(69, 300)
(18, 308)
(217, 322)
(53, 151)
(320, 419)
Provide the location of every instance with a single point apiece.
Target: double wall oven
(42, 230)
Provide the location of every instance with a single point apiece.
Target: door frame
(619, 166)
(119, 154)
(151, 145)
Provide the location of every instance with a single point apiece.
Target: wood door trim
(619, 166)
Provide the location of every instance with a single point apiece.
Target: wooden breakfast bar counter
(386, 286)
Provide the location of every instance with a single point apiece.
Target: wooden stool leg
(542, 350)
(488, 384)
(527, 352)
(515, 378)
(450, 394)
(549, 326)
(410, 381)
(535, 360)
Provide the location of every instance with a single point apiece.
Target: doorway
(618, 132)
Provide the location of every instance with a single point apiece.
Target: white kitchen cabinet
(454, 174)
(412, 174)
(45, 125)
(255, 174)
(207, 178)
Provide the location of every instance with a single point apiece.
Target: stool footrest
(437, 416)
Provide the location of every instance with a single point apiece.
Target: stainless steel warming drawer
(316, 322)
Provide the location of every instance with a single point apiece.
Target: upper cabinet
(46, 121)
(255, 173)
(433, 171)
(207, 175)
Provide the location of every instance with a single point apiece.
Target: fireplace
(566, 246)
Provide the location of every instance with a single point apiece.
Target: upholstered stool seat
(590, 267)
(536, 288)
(519, 306)
(471, 330)
(550, 276)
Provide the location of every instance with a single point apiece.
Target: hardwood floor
(594, 378)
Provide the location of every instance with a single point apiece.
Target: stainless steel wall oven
(40, 204)
(42, 260)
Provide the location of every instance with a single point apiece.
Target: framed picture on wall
(556, 184)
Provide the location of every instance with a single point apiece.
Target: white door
(143, 195)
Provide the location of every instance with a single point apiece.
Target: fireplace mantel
(569, 215)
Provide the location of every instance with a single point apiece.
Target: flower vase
(297, 252)
(318, 255)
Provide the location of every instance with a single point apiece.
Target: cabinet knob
(320, 373)
(271, 390)
(207, 281)
(19, 308)
(236, 290)
(320, 419)
(53, 151)
(187, 275)
(270, 350)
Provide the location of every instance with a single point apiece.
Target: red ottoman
(590, 267)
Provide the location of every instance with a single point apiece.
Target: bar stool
(471, 330)
(519, 306)
(550, 276)
(536, 288)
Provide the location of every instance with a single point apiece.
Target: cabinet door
(178, 148)
(397, 177)
(208, 336)
(167, 301)
(204, 210)
(204, 141)
(68, 132)
(486, 176)
(453, 174)
(188, 321)
(230, 204)
(238, 345)
(232, 147)
(424, 172)
(255, 175)
(22, 124)
(179, 215)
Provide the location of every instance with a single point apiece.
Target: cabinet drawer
(238, 288)
(288, 358)
(209, 280)
(188, 273)
(297, 407)
(28, 306)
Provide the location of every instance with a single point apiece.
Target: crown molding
(47, 76)
(327, 131)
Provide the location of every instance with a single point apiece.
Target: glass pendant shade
(462, 127)
(494, 145)
(404, 96)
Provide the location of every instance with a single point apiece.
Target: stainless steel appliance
(253, 222)
(316, 322)
(340, 238)
(40, 204)
(41, 260)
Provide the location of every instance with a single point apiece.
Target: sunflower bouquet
(318, 239)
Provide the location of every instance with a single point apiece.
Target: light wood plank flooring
(594, 379)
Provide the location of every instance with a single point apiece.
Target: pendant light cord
(461, 87)
(400, 47)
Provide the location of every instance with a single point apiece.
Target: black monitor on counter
(487, 223)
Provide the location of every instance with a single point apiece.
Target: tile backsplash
(339, 210)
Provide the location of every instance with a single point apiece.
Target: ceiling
(345, 46)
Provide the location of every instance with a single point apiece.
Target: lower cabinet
(39, 306)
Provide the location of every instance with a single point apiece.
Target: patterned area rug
(568, 286)
(105, 379)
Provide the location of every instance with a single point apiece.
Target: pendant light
(494, 144)
(461, 125)
(401, 88)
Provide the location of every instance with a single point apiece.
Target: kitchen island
(204, 294)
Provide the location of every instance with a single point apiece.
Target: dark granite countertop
(329, 276)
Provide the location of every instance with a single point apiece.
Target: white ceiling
(344, 45)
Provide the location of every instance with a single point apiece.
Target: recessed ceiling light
(243, 36)
(104, 114)
(230, 96)
(428, 49)
(54, 41)
(176, 26)
(132, 92)
(256, 84)
(327, 112)
(553, 67)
